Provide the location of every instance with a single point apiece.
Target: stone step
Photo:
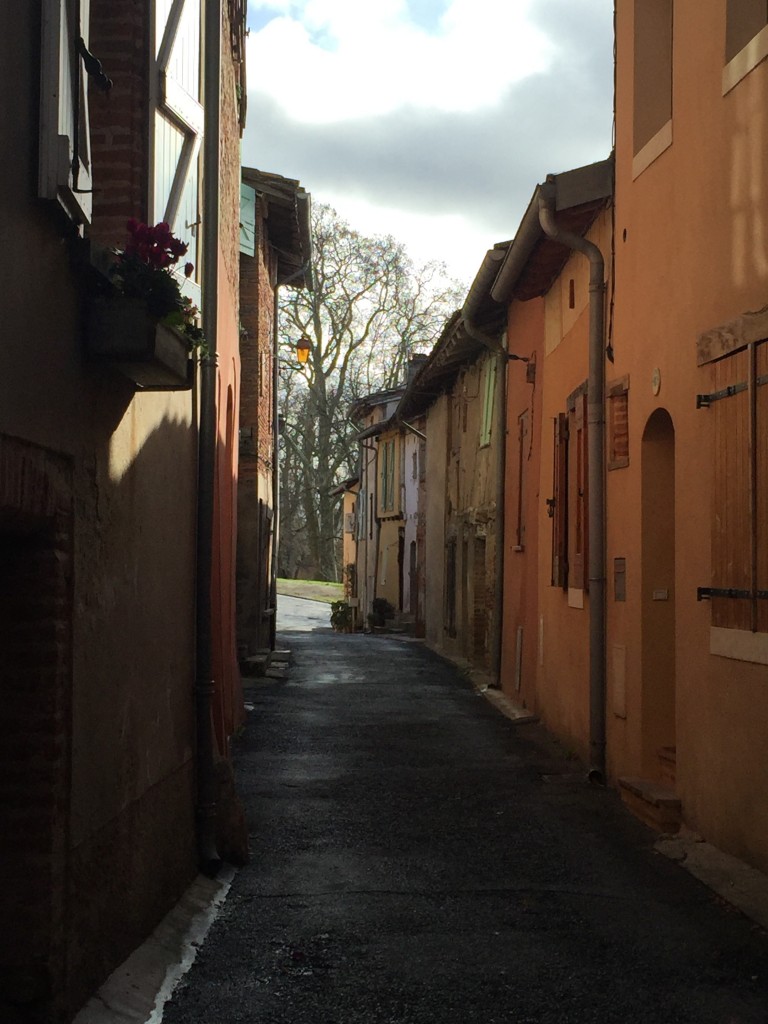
(652, 802)
(256, 664)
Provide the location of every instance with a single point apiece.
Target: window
(64, 170)
(746, 39)
(450, 587)
(523, 451)
(652, 109)
(362, 509)
(558, 504)
(738, 410)
(744, 19)
(578, 493)
(569, 504)
(178, 124)
(486, 427)
(247, 219)
(387, 475)
(618, 423)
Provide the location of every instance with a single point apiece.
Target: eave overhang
(533, 262)
(289, 229)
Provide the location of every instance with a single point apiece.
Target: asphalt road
(417, 857)
(297, 614)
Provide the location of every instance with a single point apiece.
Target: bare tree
(370, 310)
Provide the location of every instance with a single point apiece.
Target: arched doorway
(658, 599)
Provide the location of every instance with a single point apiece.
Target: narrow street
(416, 856)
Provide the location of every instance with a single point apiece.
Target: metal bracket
(704, 401)
(93, 66)
(707, 593)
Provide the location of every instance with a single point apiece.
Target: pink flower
(189, 269)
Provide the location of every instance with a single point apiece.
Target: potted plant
(341, 616)
(382, 610)
(139, 319)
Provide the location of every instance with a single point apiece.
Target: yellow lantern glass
(303, 347)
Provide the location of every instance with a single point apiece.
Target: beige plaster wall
(437, 434)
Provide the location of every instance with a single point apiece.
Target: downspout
(481, 285)
(275, 474)
(377, 517)
(595, 473)
(365, 463)
(207, 788)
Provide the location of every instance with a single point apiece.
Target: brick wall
(255, 499)
(119, 118)
(257, 290)
(35, 673)
(229, 174)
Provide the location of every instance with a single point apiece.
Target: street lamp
(303, 348)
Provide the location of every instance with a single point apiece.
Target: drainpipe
(481, 288)
(275, 475)
(207, 788)
(596, 472)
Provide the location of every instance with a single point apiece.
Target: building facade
(275, 251)
(99, 447)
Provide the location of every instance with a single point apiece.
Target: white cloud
(344, 58)
(430, 120)
(452, 239)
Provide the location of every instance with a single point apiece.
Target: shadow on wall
(97, 581)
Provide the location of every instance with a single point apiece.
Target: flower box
(121, 332)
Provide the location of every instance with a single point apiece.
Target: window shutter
(618, 423)
(761, 486)
(522, 456)
(383, 475)
(178, 124)
(64, 169)
(247, 219)
(579, 495)
(559, 504)
(490, 388)
(391, 476)
(738, 408)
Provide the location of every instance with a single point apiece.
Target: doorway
(659, 750)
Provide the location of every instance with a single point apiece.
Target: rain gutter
(547, 196)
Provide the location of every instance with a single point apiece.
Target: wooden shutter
(247, 219)
(383, 476)
(738, 408)
(523, 445)
(559, 504)
(761, 486)
(490, 389)
(617, 394)
(391, 475)
(178, 124)
(579, 494)
(64, 167)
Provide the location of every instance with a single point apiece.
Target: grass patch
(311, 590)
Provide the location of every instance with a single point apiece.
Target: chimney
(415, 363)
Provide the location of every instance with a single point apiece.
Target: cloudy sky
(431, 120)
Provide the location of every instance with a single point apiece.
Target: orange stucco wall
(562, 627)
(690, 255)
